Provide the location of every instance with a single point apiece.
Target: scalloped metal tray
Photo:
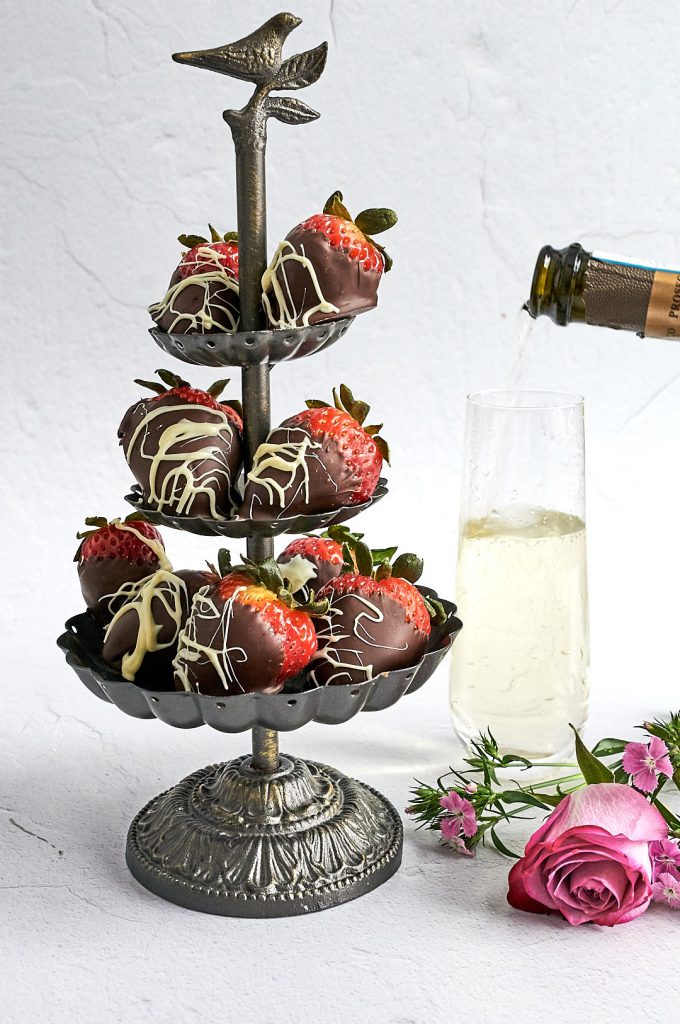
(251, 348)
(332, 705)
(240, 528)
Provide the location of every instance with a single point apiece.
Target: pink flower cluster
(665, 854)
(458, 822)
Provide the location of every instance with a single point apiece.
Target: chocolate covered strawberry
(309, 562)
(113, 554)
(245, 634)
(141, 638)
(376, 620)
(327, 267)
(203, 294)
(319, 460)
(184, 448)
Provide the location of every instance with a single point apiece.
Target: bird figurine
(255, 58)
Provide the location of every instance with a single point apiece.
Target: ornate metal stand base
(235, 841)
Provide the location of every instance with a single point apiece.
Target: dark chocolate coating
(342, 279)
(255, 655)
(121, 637)
(216, 472)
(103, 577)
(205, 305)
(331, 484)
(370, 632)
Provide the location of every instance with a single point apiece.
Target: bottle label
(663, 312)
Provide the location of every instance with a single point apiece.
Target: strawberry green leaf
(364, 559)
(173, 380)
(97, 521)
(374, 429)
(270, 575)
(230, 236)
(223, 562)
(234, 404)
(408, 567)
(218, 387)
(152, 384)
(435, 609)
(346, 397)
(383, 554)
(383, 572)
(290, 110)
(383, 448)
(373, 221)
(387, 259)
(191, 240)
(302, 69)
(316, 403)
(359, 411)
(341, 534)
(215, 236)
(335, 207)
(348, 560)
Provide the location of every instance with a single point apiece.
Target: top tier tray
(251, 348)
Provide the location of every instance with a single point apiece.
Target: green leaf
(374, 429)
(152, 384)
(408, 567)
(223, 562)
(383, 554)
(218, 387)
(270, 575)
(383, 447)
(501, 847)
(364, 559)
(609, 746)
(592, 769)
(359, 411)
(373, 221)
(346, 397)
(435, 609)
(215, 236)
(335, 207)
(173, 380)
(316, 403)
(520, 796)
(230, 236)
(192, 240)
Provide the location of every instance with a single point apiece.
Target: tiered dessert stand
(265, 835)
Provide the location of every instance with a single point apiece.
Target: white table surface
(81, 940)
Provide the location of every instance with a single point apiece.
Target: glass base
(539, 739)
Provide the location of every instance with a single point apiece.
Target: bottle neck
(558, 283)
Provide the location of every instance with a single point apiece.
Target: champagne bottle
(572, 285)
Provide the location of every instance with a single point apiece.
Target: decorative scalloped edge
(240, 529)
(252, 348)
(331, 705)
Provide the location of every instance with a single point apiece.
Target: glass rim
(525, 399)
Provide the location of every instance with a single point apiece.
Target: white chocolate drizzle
(155, 545)
(203, 320)
(139, 597)
(186, 479)
(222, 656)
(272, 280)
(298, 572)
(289, 456)
(335, 642)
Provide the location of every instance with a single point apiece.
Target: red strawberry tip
(370, 222)
(345, 401)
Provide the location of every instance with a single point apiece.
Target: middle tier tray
(239, 529)
(286, 711)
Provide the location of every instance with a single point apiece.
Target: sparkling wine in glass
(520, 665)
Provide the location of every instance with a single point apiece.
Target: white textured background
(492, 128)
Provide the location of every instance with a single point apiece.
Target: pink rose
(590, 860)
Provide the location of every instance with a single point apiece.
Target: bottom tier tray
(235, 841)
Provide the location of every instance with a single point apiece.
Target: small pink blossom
(471, 788)
(666, 889)
(665, 856)
(458, 844)
(644, 762)
(461, 812)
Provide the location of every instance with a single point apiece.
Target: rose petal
(517, 894)
(615, 808)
